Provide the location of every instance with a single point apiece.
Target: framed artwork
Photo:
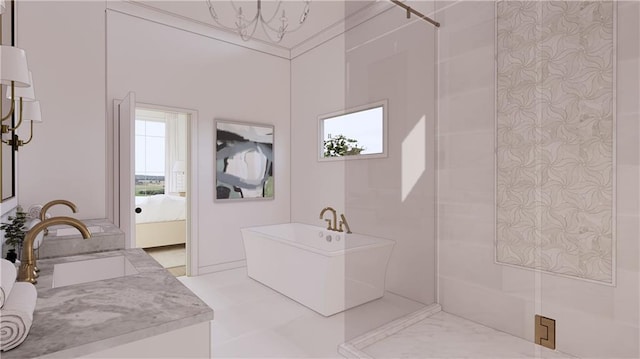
(244, 161)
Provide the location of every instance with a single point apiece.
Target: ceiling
(323, 14)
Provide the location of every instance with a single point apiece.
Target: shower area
(511, 184)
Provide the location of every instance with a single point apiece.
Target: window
(150, 156)
(355, 133)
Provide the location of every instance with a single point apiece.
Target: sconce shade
(31, 111)
(27, 93)
(13, 66)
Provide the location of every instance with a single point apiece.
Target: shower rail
(411, 10)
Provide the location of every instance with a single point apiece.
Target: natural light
(413, 157)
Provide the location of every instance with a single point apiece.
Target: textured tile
(443, 335)
(555, 144)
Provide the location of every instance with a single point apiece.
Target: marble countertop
(85, 318)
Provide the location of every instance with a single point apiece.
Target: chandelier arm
(298, 26)
(268, 33)
(214, 16)
(246, 37)
(235, 28)
(239, 10)
(247, 29)
(278, 4)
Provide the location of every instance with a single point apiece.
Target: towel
(17, 315)
(7, 278)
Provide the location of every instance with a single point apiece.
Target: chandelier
(273, 26)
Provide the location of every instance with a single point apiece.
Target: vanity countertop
(85, 318)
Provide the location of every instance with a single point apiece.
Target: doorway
(160, 185)
(154, 185)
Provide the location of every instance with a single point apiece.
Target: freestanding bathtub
(326, 271)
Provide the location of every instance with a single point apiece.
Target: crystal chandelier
(273, 26)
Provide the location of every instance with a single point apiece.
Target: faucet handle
(328, 224)
(343, 221)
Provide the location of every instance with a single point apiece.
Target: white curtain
(176, 154)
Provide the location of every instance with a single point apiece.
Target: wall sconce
(21, 94)
(30, 112)
(15, 74)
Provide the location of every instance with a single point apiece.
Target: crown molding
(159, 16)
(340, 27)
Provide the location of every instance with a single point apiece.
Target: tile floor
(254, 321)
(171, 257)
(444, 335)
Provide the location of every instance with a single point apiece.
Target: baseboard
(353, 348)
(222, 267)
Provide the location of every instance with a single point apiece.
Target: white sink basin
(91, 270)
(71, 231)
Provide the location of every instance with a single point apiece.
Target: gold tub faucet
(27, 272)
(332, 223)
(343, 222)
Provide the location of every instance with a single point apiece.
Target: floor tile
(444, 335)
(252, 320)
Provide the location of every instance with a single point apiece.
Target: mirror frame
(385, 131)
(7, 204)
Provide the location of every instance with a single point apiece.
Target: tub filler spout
(332, 223)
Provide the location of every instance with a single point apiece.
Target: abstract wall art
(555, 158)
(244, 161)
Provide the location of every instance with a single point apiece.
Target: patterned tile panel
(555, 140)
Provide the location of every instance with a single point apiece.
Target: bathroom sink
(69, 231)
(91, 270)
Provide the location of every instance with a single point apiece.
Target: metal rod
(411, 10)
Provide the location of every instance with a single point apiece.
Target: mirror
(356, 133)
(7, 153)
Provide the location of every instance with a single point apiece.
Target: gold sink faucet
(27, 272)
(45, 208)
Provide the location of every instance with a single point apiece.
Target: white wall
(73, 66)
(171, 67)
(65, 48)
(593, 320)
(376, 60)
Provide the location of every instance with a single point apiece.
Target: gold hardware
(331, 223)
(545, 332)
(343, 221)
(15, 142)
(27, 272)
(45, 208)
(13, 88)
(6, 128)
(411, 10)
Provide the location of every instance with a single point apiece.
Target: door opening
(160, 185)
(155, 190)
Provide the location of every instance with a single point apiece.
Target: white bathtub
(321, 269)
